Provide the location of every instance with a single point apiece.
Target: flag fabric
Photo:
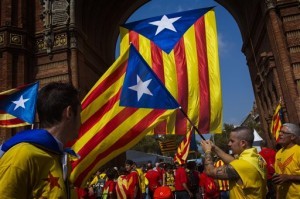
(18, 105)
(182, 49)
(276, 122)
(125, 103)
(184, 148)
(167, 146)
(193, 146)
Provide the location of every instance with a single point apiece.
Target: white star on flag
(141, 87)
(165, 23)
(20, 102)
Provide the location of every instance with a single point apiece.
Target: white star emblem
(141, 87)
(165, 23)
(20, 102)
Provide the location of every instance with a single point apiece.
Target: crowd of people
(147, 181)
(31, 163)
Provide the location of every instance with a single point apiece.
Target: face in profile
(235, 143)
(285, 137)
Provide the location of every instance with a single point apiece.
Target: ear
(243, 143)
(68, 112)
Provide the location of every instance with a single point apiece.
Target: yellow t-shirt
(287, 161)
(251, 168)
(27, 171)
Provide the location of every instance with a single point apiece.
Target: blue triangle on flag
(142, 88)
(22, 103)
(166, 30)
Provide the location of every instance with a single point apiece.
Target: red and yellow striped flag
(276, 122)
(167, 146)
(184, 148)
(122, 107)
(189, 70)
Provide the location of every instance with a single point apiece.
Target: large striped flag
(182, 49)
(18, 105)
(122, 107)
(184, 148)
(276, 122)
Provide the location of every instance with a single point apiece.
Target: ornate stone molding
(270, 4)
(55, 13)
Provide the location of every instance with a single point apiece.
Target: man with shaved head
(287, 162)
(246, 171)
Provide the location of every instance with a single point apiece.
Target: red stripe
(157, 62)
(134, 39)
(89, 123)
(102, 87)
(123, 141)
(204, 120)
(105, 132)
(11, 122)
(158, 68)
(182, 78)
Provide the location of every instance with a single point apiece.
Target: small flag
(184, 148)
(18, 105)
(125, 104)
(276, 122)
(167, 146)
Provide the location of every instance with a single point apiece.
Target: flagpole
(186, 116)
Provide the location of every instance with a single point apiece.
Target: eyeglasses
(286, 133)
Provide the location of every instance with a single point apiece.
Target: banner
(182, 49)
(125, 104)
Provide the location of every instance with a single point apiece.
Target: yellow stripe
(124, 40)
(145, 49)
(171, 83)
(99, 102)
(214, 72)
(120, 131)
(193, 77)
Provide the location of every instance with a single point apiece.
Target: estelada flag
(125, 104)
(182, 49)
(167, 146)
(18, 106)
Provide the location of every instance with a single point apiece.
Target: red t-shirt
(269, 156)
(180, 178)
(109, 186)
(153, 178)
(211, 190)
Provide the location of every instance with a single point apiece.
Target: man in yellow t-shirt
(31, 166)
(246, 173)
(287, 163)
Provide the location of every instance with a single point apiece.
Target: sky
(237, 92)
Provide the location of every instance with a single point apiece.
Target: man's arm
(282, 178)
(224, 156)
(224, 172)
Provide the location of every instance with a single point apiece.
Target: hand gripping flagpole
(180, 108)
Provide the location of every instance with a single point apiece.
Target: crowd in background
(147, 181)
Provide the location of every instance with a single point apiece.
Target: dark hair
(111, 173)
(130, 162)
(244, 133)
(53, 99)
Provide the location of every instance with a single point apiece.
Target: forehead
(233, 135)
(284, 128)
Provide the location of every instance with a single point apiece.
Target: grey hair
(293, 128)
